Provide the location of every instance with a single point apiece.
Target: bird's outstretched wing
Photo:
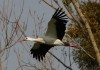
(39, 50)
(57, 25)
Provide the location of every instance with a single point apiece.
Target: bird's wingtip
(60, 15)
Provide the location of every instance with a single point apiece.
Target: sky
(40, 8)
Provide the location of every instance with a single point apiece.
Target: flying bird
(53, 36)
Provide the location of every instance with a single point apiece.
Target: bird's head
(25, 39)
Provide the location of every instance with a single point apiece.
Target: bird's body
(49, 40)
(53, 36)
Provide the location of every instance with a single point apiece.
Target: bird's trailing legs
(71, 45)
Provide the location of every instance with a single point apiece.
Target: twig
(49, 4)
(60, 61)
(81, 47)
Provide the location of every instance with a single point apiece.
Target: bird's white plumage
(58, 42)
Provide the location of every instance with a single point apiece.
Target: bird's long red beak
(21, 40)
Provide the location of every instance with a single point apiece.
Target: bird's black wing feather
(40, 51)
(57, 26)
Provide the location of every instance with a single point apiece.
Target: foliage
(91, 11)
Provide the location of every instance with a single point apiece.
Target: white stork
(53, 36)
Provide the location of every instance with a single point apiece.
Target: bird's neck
(38, 40)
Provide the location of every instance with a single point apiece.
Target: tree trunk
(0, 60)
(88, 30)
(0, 64)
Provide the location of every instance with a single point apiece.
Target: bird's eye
(26, 38)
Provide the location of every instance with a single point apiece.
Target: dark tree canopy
(91, 11)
